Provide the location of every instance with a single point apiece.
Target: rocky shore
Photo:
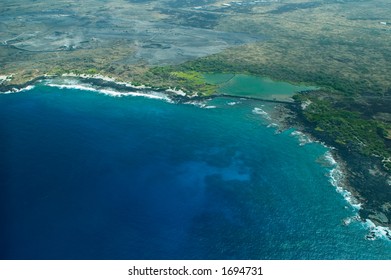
(364, 177)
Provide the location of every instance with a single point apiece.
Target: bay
(89, 176)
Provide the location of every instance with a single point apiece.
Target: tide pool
(85, 175)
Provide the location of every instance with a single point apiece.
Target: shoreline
(288, 116)
(100, 83)
(356, 177)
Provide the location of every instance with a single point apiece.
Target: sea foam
(16, 90)
(110, 92)
(104, 78)
(200, 104)
(302, 137)
(337, 176)
(336, 179)
(261, 112)
(376, 232)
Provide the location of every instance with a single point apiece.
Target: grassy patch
(176, 77)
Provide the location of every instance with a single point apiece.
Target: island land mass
(336, 52)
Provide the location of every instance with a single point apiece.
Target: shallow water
(89, 176)
(262, 87)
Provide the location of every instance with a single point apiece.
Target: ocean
(93, 175)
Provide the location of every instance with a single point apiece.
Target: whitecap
(104, 78)
(196, 103)
(152, 95)
(337, 177)
(303, 138)
(329, 158)
(377, 232)
(17, 90)
(71, 86)
(200, 104)
(110, 92)
(273, 125)
(261, 112)
(347, 221)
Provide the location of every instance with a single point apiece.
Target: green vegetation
(171, 76)
(343, 47)
(194, 81)
(348, 129)
(233, 62)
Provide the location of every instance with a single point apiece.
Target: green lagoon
(246, 85)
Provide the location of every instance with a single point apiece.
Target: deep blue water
(88, 176)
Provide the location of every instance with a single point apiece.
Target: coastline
(103, 84)
(11, 88)
(355, 181)
(343, 175)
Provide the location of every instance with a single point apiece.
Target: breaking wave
(111, 92)
(302, 137)
(261, 112)
(16, 90)
(376, 232)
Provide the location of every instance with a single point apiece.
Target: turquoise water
(245, 85)
(89, 176)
